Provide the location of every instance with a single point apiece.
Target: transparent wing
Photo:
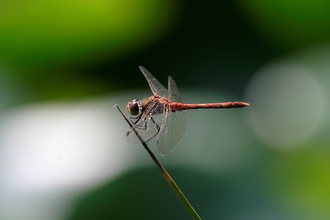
(172, 129)
(156, 87)
(148, 125)
(173, 91)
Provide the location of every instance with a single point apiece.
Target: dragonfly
(163, 114)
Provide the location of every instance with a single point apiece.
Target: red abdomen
(183, 106)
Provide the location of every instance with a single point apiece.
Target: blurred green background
(64, 64)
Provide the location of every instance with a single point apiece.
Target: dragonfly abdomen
(183, 106)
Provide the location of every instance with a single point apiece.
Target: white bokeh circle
(287, 104)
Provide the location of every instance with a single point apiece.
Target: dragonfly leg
(144, 126)
(134, 120)
(156, 125)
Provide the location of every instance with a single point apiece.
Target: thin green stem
(166, 175)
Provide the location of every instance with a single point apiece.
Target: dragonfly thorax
(134, 107)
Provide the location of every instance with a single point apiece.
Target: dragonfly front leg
(136, 119)
(144, 126)
(146, 129)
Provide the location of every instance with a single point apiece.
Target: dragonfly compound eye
(133, 107)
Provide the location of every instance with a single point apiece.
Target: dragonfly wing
(173, 91)
(146, 127)
(172, 129)
(156, 87)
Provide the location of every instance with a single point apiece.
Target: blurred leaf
(44, 32)
(301, 180)
(291, 23)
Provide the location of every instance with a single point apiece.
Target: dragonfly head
(133, 107)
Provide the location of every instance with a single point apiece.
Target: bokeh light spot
(287, 105)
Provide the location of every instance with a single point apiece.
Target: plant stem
(166, 175)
